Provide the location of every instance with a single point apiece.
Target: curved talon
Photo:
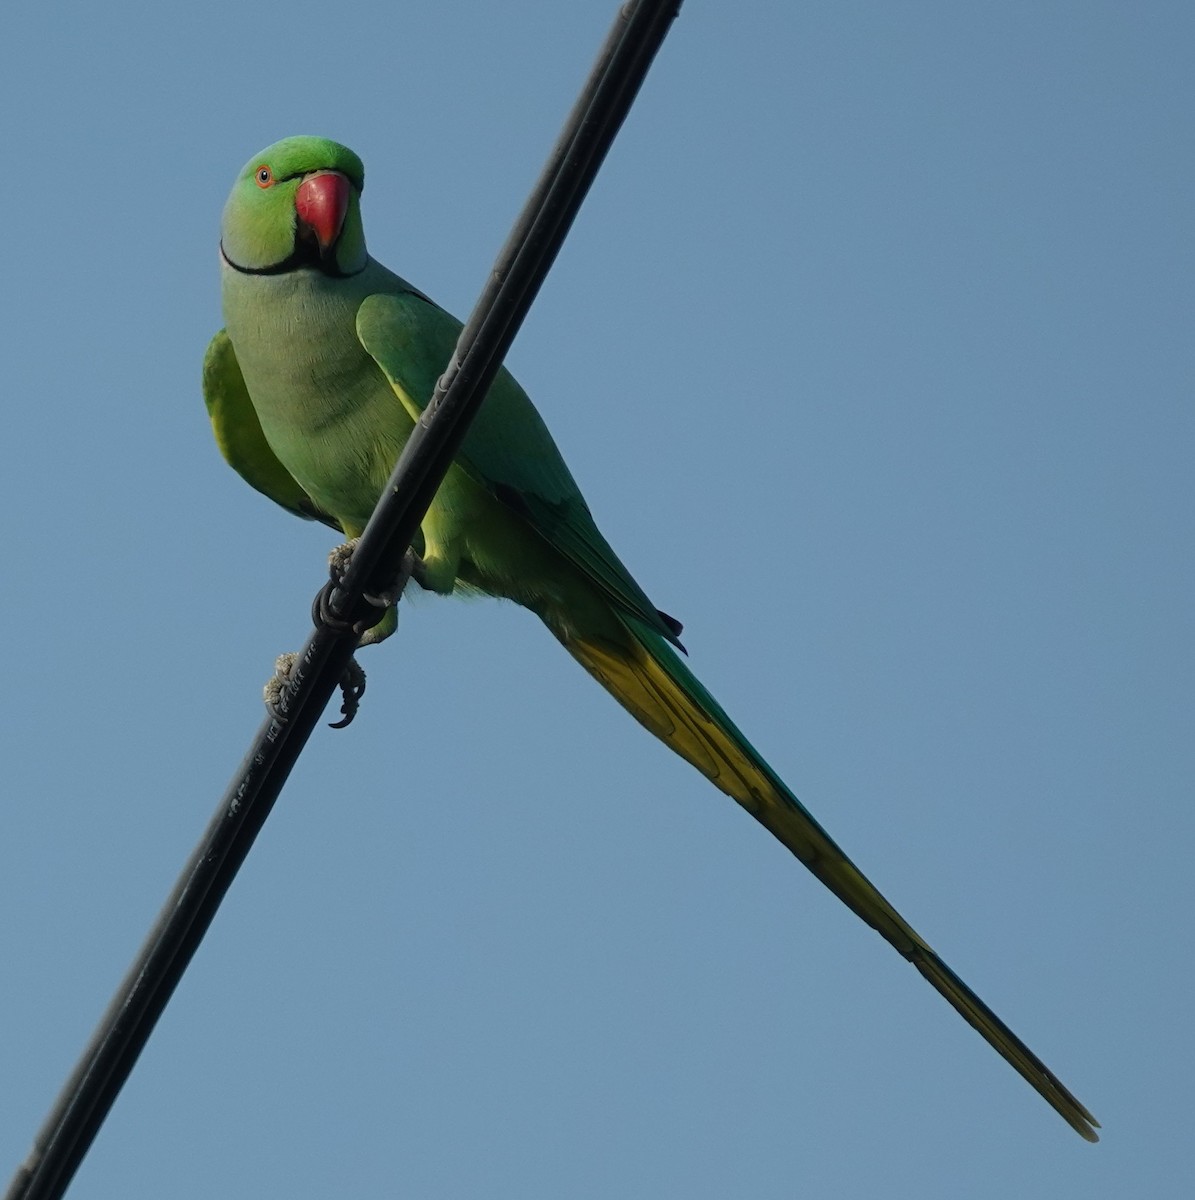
(322, 614)
(393, 594)
(352, 688)
(381, 601)
(321, 610)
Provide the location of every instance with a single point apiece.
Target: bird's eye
(264, 176)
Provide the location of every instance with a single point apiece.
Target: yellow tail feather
(655, 686)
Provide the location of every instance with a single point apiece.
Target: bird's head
(296, 204)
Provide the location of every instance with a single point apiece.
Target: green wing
(239, 436)
(508, 450)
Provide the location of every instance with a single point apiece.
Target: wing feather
(239, 436)
(508, 448)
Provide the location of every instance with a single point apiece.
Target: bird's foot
(338, 563)
(277, 684)
(352, 688)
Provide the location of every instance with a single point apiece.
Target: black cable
(89, 1093)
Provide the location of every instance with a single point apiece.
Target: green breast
(325, 408)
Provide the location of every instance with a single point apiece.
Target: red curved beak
(321, 204)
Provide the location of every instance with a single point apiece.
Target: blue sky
(872, 352)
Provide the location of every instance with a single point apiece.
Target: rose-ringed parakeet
(325, 362)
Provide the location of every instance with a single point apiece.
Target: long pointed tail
(647, 677)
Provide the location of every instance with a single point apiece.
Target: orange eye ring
(263, 176)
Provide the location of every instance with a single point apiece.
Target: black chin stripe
(305, 254)
(290, 263)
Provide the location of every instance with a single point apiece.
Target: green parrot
(326, 361)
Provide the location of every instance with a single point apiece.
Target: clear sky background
(872, 352)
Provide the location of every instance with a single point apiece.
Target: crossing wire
(92, 1088)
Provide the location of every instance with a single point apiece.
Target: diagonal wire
(125, 1027)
